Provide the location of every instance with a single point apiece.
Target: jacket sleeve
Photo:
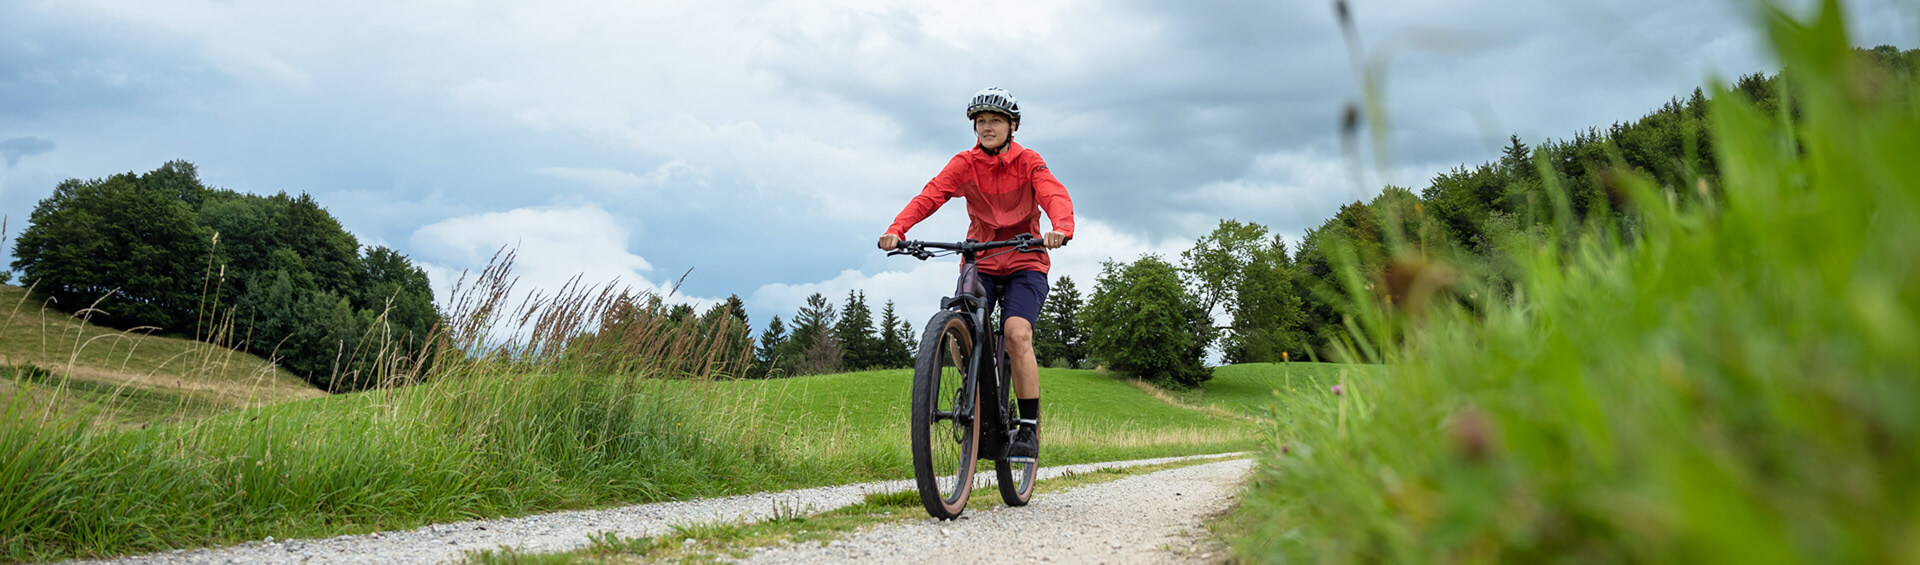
(1052, 197)
(938, 191)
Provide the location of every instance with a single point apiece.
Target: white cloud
(245, 61)
(618, 180)
(554, 246)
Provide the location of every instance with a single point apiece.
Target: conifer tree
(812, 335)
(895, 353)
(861, 349)
(767, 360)
(908, 340)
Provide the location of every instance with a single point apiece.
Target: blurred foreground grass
(1735, 382)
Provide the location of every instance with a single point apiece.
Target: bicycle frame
(989, 349)
(989, 358)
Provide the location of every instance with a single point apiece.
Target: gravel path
(1152, 518)
(563, 531)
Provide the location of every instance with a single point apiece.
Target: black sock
(1030, 408)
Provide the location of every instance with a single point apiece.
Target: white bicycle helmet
(994, 99)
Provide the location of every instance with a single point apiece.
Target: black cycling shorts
(1025, 290)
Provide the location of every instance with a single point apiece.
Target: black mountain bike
(963, 403)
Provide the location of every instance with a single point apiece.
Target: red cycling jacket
(1002, 192)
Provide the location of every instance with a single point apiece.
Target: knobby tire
(943, 449)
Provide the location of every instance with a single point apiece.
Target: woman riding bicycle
(1006, 186)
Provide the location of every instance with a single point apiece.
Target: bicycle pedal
(1021, 460)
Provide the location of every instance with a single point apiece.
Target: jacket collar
(1007, 153)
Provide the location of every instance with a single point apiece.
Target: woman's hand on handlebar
(1053, 240)
(889, 241)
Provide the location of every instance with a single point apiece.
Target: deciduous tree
(1142, 321)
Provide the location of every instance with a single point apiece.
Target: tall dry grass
(516, 405)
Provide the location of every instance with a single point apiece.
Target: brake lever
(917, 252)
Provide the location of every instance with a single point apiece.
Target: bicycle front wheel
(944, 438)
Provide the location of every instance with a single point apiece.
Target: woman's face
(992, 129)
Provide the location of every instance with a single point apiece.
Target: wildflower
(1338, 390)
(1284, 449)
(1472, 434)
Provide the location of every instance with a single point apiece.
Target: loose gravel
(1160, 500)
(1152, 518)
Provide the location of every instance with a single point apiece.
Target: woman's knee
(1019, 335)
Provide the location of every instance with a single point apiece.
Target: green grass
(494, 442)
(129, 377)
(1735, 382)
(1253, 389)
(862, 417)
(127, 443)
(132, 403)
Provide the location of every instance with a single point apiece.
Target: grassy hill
(127, 377)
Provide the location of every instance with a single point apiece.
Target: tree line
(822, 338)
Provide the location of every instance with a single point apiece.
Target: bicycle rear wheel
(944, 440)
(1016, 480)
(1015, 476)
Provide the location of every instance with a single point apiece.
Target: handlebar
(923, 250)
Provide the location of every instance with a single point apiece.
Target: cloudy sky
(765, 145)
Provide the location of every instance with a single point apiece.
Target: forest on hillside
(273, 275)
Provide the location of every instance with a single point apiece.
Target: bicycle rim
(1016, 480)
(943, 441)
(1015, 476)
